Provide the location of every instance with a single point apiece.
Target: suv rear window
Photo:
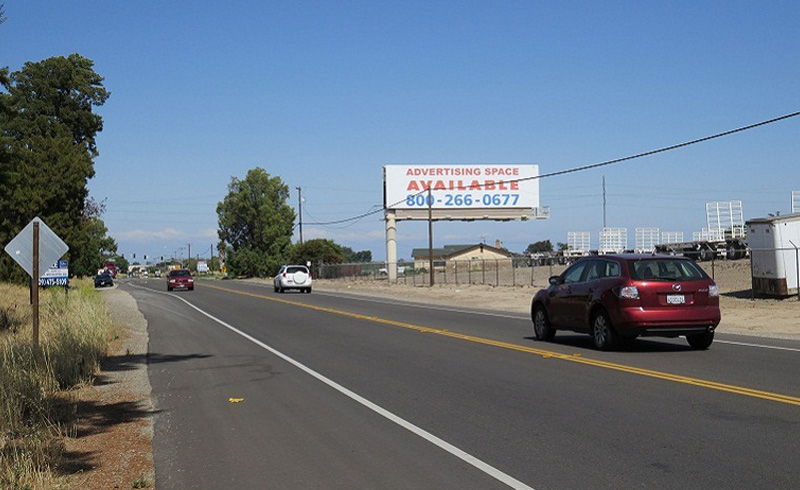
(292, 270)
(666, 270)
(179, 273)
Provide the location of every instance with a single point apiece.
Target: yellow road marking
(546, 354)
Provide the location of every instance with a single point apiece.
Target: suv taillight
(628, 292)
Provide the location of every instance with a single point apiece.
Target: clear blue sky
(323, 94)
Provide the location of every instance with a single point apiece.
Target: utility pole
(604, 201)
(300, 211)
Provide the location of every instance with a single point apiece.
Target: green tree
(120, 261)
(255, 224)
(47, 147)
(316, 251)
(352, 257)
(539, 247)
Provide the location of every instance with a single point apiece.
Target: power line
(600, 164)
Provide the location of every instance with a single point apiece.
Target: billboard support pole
(391, 245)
(430, 232)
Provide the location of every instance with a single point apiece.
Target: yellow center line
(546, 354)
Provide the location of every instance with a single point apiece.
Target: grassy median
(36, 401)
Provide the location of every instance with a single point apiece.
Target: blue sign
(56, 275)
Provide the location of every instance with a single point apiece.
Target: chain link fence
(518, 271)
(776, 272)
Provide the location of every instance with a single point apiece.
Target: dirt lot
(779, 318)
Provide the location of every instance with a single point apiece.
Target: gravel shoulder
(111, 446)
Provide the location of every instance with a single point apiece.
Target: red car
(180, 278)
(620, 297)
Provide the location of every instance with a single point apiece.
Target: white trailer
(774, 249)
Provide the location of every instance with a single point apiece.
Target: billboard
(461, 187)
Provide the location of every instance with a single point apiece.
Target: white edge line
(464, 456)
(746, 344)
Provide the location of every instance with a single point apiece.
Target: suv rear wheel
(603, 334)
(542, 329)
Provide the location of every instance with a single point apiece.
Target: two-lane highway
(261, 390)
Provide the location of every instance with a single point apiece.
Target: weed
(141, 482)
(8, 319)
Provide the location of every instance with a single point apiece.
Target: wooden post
(36, 285)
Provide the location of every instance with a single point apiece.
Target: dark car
(103, 279)
(620, 297)
(181, 279)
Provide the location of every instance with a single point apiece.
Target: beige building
(458, 253)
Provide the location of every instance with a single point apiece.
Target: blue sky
(323, 94)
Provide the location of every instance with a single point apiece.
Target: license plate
(675, 299)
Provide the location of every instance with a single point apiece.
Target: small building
(480, 251)
(774, 248)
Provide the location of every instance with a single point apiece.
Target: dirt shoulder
(111, 446)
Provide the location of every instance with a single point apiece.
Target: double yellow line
(546, 354)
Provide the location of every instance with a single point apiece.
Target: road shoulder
(111, 445)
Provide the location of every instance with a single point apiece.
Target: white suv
(293, 277)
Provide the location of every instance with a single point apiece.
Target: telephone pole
(300, 211)
(604, 201)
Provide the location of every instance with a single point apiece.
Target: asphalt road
(255, 389)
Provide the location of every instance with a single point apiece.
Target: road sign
(51, 247)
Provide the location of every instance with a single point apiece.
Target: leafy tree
(47, 147)
(562, 246)
(98, 248)
(316, 251)
(539, 247)
(120, 261)
(255, 224)
(352, 257)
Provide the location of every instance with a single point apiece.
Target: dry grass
(36, 407)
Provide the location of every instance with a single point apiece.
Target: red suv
(620, 297)
(180, 278)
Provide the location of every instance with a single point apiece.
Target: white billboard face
(462, 186)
